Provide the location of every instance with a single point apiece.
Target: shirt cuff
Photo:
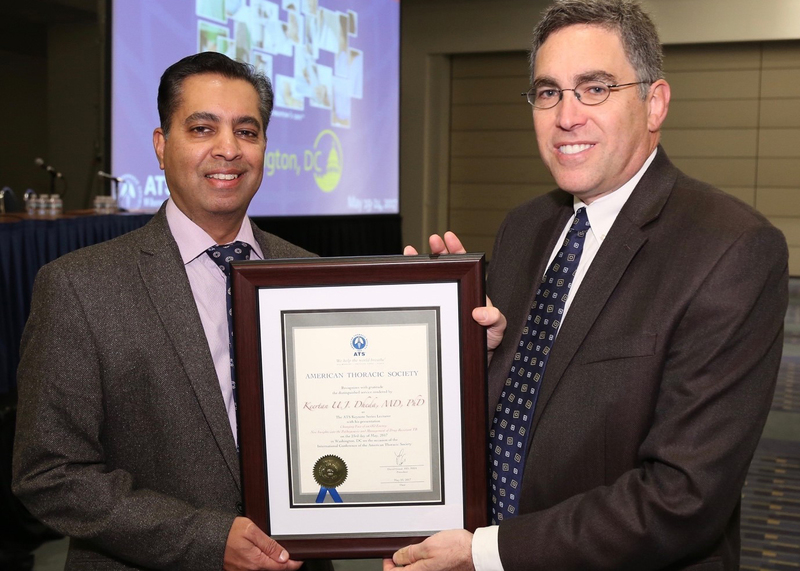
(485, 549)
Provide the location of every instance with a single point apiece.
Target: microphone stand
(52, 174)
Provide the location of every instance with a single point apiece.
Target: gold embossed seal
(330, 471)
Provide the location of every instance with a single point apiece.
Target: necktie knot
(227, 253)
(581, 221)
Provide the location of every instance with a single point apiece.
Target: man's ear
(657, 104)
(159, 141)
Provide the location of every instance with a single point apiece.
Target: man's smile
(220, 176)
(573, 149)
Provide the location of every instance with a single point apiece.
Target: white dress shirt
(208, 288)
(601, 213)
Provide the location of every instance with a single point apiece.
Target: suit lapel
(261, 238)
(624, 240)
(165, 278)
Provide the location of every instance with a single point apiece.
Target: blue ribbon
(323, 491)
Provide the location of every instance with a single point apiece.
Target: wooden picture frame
(369, 376)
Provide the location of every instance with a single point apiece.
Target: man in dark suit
(126, 435)
(645, 320)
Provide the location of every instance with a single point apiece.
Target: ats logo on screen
(131, 195)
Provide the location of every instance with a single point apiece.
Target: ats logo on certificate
(358, 343)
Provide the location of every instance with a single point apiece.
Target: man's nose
(227, 146)
(571, 112)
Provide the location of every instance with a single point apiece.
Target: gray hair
(626, 17)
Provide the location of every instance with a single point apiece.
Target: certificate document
(363, 406)
(362, 400)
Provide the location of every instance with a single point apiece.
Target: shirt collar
(603, 212)
(193, 240)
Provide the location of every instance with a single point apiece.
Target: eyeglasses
(587, 92)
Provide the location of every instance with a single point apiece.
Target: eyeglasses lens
(587, 92)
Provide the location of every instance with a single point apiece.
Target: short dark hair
(169, 89)
(635, 28)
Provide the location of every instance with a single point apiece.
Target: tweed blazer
(658, 384)
(123, 442)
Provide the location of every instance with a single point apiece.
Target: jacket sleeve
(59, 466)
(716, 386)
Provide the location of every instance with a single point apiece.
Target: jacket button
(239, 508)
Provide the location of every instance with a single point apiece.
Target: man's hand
(249, 548)
(488, 316)
(446, 550)
(495, 322)
(450, 244)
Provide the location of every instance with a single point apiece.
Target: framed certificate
(362, 400)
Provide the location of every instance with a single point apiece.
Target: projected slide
(334, 65)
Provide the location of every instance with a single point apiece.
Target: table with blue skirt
(26, 244)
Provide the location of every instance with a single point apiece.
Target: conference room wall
(23, 102)
(51, 109)
(74, 87)
(735, 122)
(434, 31)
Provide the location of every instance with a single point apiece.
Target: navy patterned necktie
(508, 436)
(223, 256)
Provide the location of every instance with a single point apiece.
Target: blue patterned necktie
(508, 436)
(223, 256)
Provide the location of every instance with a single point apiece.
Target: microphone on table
(54, 174)
(39, 162)
(117, 180)
(103, 174)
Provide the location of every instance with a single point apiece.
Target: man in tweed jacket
(126, 436)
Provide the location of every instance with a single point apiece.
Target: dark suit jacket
(659, 382)
(123, 442)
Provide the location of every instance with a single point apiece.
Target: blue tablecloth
(26, 246)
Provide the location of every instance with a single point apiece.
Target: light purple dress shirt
(208, 288)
